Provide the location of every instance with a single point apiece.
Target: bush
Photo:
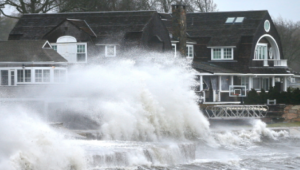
(291, 96)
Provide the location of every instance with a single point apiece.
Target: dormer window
(81, 53)
(189, 51)
(225, 53)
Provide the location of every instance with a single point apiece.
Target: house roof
(212, 24)
(211, 68)
(35, 26)
(28, 51)
(269, 70)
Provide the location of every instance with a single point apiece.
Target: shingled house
(226, 48)
(85, 37)
(31, 62)
(233, 48)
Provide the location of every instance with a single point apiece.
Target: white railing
(282, 63)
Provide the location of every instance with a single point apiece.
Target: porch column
(284, 83)
(201, 83)
(273, 81)
(220, 88)
(250, 83)
(231, 80)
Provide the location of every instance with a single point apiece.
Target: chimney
(179, 27)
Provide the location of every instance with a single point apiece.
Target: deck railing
(280, 63)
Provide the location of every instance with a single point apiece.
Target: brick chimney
(179, 27)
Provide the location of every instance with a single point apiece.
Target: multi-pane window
(217, 53)
(110, 50)
(222, 53)
(42, 75)
(81, 53)
(190, 51)
(59, 75)
(24, 75)
(227, 53)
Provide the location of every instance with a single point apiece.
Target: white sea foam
(247, 137)
(136, 106)
(27, 143)
(136, 100)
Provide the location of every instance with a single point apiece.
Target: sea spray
(27, 143)
(137, 100)
(245, 137)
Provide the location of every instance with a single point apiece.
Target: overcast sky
(287, 9)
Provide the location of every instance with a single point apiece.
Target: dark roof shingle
(28, 51)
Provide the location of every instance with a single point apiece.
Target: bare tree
(192, 5)
(29, 6)
(205, 5)
(289, 33)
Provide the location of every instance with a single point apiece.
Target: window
(256, 84)
(54, 47)
(245, 82)
(190, 51)
(227, 53)
(261, 52)
(42, 75)
(59, 75)
(261, 83)
(222, 53)
(217, 53)
(81, 53)
(239, 19)
(110, 50)
(24, 76)
(225, 82)
(267, 26)
(4, 77)
(230, 20)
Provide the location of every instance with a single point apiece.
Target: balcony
(280, 63)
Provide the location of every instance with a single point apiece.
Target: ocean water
(145, 115)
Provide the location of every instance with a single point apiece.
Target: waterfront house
(226, 48)
(240, 48)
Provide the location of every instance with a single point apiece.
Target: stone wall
(292, 113)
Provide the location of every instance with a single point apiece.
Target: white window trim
(115, 50)
(222, 53)
(175, 49)
(255, 54)
(76, 43)
(188, 52)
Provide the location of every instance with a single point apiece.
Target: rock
(290, 116)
